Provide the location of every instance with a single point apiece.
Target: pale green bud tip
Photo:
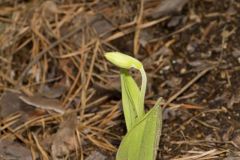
(123, 60)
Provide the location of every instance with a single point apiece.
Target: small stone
(183, 70)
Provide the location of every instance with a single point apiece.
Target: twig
(172, 98)
(138, 29)
(40, 55)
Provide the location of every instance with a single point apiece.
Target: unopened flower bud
(123, 60)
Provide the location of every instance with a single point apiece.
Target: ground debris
(43, 103)
(166, 7)
(96, 155)
(14, 151)
(54, 51)
(11, 104)
(64, 141)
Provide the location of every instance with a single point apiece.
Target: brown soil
(191, 54)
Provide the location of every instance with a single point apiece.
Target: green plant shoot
(143, 130)
(130, 98)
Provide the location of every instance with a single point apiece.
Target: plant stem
(143, 91)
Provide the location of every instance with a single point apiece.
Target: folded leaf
(141, 142)
(130, 98)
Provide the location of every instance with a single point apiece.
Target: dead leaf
(101, 25)
(50, 7)
(10, 104)
(64, 141)
(53, 92)
(166, 7)
(14, 151)
(175, 21)
(96, 155)
(43, 103)
(236, 139)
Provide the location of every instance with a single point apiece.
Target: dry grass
(52, 44)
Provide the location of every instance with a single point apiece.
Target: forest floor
(61, 99)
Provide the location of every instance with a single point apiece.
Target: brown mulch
(61, 99)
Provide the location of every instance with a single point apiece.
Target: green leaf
(130, 98)
(141, 142)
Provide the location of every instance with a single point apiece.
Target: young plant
(143, 129)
